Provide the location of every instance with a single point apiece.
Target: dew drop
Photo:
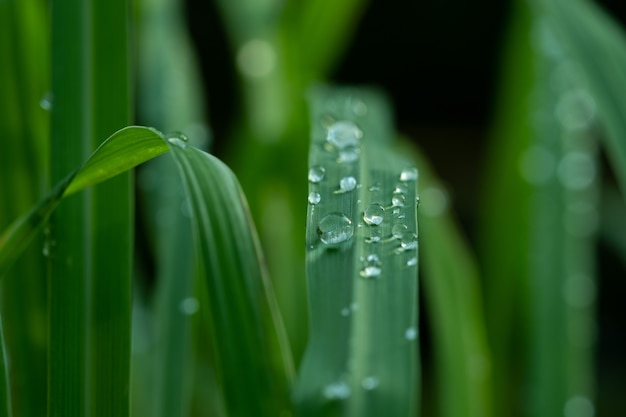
(343, 133)
(345, 312)
(371, 271)
(178, 139)
(314, 197)
(46, 101)
(316, 174)
(359, 107)
(374, 214)
(374, 188)
(575, 109)
(189, 306)
(408, 174)
(337, 391)
(398, 230)
(369, 383)
(335, 228)
(398, 200)
(373, 258)
(412, 261)
(410, 333)
(401, 188)
(350, 154)
(347, 184)
(408, 241)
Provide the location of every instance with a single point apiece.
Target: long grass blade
(5, 395)
(454, 302)
(24, 127)
(361, 359)
(597, 45)
(253, 359)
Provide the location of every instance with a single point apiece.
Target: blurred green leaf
(253, 361)
(454, 303)
(361, 359)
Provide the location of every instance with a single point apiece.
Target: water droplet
(371, 271)
(374, 214)
(354, 306)
(408, 241)
(409, 174)
(579, 406)
(335, 228)
(345, 312)
(347, 184)
(189, 306)
(314, 197)
(177, 139)
(401, 188)
(343, 133)
(46, 249)
(369, 383)
(316, 174)
(256, 58)
(359, 107)
(374, 188)
(373, 258)
(398, 230)
(337, 391)
(412, 261)
(410, 333)
(577, 170)
(348, 155)
(575, 109)
(398, 200)
(46, 101)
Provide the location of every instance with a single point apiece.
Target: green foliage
(324, 320)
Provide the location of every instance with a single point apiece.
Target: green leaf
(597, 45)
(453, 301)
(117, 153)
(251, 350)
(361, 359)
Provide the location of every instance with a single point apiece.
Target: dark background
(439, 61)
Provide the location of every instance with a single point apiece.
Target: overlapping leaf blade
(362, 271)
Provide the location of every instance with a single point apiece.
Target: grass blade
(453, 300)
(24, 127)
(5, 402)
(254, 362)
(598, 47)
(123, 150)
(362, 354)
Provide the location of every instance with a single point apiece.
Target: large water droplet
(314, 198)
(189, 306)
(344, 133)
(408, 174)
(337, 391)
(369, 383)
(335, 228)
(374, 214)
(316, 174)
(412, 261)
(347, 184)
(372, 258)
